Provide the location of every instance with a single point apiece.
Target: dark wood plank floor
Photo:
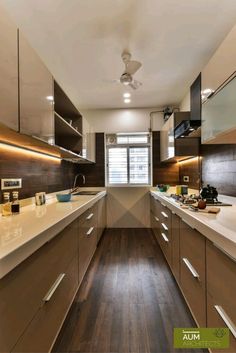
(128, 301)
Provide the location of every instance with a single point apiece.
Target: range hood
(191, 127)
(188, 128)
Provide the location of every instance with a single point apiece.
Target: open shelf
(63, 128)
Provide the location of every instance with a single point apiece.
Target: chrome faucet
(76, 177)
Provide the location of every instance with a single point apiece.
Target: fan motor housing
(126, 78)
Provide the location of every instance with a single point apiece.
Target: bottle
(6, 206)
(15, 206)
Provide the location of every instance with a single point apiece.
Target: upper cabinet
(36, 94)
(222, 64)
(8, 72)
(68, 122)
(218, 110)
(177, 149)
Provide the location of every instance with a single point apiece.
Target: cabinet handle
(190, 267)
(188, 224)
(54, 287)
(164, 226)
(228, 322)
(173, 212)
(163, 204)
(225, 252)
(90, 231)
(164, 237)
(89, 216)
(164, 214)
(156, 218)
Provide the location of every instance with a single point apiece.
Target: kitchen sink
(91, 192)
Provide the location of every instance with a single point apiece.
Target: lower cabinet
(192, 271)
(175, 225)
(87, 239)
(221, 289)
(102, 217)
(36, 296)
(23, 292)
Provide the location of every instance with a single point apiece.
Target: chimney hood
(191, 127)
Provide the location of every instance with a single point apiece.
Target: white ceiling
(81, 43)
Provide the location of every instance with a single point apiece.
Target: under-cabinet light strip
(29, 152)
(189, 160)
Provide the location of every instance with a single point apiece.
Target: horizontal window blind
(129, 163)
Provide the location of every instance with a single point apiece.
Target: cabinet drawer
(43, 329)
(175, 224)
(89, 217)
(155, 224)
(165, 216)
(87, 247)
(192, 270)
(221, 289)
(23, 289)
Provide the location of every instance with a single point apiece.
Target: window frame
(128, 146)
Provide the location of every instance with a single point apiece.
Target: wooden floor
(128, 301)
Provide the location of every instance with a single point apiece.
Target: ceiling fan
(131, 67)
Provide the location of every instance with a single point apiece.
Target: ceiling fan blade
(135, 84)
(132, 66)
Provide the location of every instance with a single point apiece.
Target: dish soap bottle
(6, 206)
(15, 206)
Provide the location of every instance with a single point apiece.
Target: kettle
(209, 192)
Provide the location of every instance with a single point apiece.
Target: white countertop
(219, 228)
(23, 234)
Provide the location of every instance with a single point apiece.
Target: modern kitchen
(118, 176)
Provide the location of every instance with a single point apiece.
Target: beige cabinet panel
(36, 86)
(221, 289)
(8, 72)
(192, 270)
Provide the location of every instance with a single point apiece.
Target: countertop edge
(19, 254)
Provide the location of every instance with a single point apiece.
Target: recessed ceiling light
(127, 100)
(49, 98)
(126, 95)
(207, 91)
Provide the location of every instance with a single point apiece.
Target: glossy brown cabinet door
(36, 90)
(8, 72)
(221, 289)
(87, 239)
(192, 271)
(175, 223)
(22, 291)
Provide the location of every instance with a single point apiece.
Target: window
(128, 159)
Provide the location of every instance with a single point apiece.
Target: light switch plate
(186, 178)
(7, 184)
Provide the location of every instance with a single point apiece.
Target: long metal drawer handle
(90, 231)
(164, 214)
(228, 322)
(164, 226)
(89, 216)
(165, 237)
(163, 204)
(156, 218)
(190, 267)
(54, 287)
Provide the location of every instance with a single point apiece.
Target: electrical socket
(186, 178)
